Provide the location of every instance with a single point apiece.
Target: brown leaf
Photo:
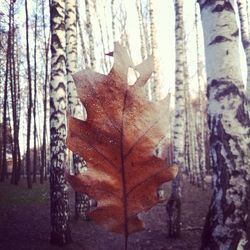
(118, 141)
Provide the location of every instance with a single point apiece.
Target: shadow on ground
(25, 225)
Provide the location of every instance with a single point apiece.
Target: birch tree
(112, 6)
(245, 37)
(142, 35)
(156, 88)
(174, 203)
(84, 51)
(227, 224)
(60, 230)
(89, 30)
(74, 106)
(201, 101)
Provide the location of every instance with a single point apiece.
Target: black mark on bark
(220, 39)
(236, 33)
(223, 7)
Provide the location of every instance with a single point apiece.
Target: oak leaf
(118, 142)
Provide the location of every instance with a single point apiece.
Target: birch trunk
(75, 108)
(174, 203)
(84, 51)
(228, 223)
(245, 37)
(113, 19)
(105, 64)
(156, 88)
(201, 103)
(142, 35)
(89, 29)
(60, 230)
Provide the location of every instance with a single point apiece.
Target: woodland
(125, 124)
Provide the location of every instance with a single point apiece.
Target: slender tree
(5, 102)
(89, 29)
(60, 230)
(46, 76)
(113, 14)
(245, 37)
(84, 50)
(156, 84)
(14, 101)
(28, 162)
(228, 220)
(201, 102)
(105, 64)
(74, 106)
(142, 35)
(174, 202)
(35, 162)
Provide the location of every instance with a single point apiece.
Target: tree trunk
(84, 51)
(13, 90)
(35, 162)
(201, 103)
(142, 35)
(228, 220)
(74, 105)
(89, 29)
(44, 145)
(60, 230)
(174, 203)
(245, 37)
(5, 105)
(156, 84)
(28, 162)
(113, 19)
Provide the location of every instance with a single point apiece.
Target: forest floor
(25, 223)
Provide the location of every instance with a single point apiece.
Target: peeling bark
(228, 223)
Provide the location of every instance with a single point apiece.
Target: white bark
(75, 108)
(113, 19)
(60, 231)
(174, 203)
(227, 224)
(156, 88)
(179, 89)
(84, 51)
(201, 103)
(142, 35)
(74, 105)
(245, 37)
(89, 30)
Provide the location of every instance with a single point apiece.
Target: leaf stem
(124, 182)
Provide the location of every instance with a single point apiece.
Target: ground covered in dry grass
(25, 225)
